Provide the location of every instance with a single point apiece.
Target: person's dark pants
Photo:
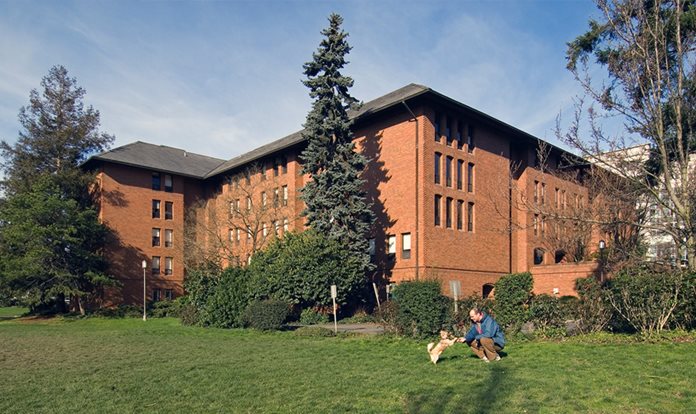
(485, 347)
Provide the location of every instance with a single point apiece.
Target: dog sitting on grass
(436, 350)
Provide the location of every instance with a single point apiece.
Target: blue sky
(221, 78)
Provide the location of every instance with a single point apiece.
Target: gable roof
(160, 158)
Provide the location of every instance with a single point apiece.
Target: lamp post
(144, 264)
(602, 246)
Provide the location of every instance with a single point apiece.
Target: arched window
(560, 256)
(487, 289)
(538, 256)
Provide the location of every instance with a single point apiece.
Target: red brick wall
(561, 277)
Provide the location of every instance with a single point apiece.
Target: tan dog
(436, 350)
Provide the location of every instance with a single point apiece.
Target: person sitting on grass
(485, 337)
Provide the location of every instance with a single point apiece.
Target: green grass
(12, 312)
(127, 365)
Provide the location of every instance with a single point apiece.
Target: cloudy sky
(223, 77)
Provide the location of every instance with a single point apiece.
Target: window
(448, 171)
(248, 231)
(168, 265)
(276, 227)
(155, 265)
(470, 139)
(448, 131)
(557, 198)
(535, 223)
(286, 225)
(542, 226)
(543, 193)
(264, 230)
(536, 191)
(460, 135)
(276, 197)
(156, 295)
(564, 199)
(470, 217)
(156, 180)
(156, 208)
(168, 183)
(168, 210)
(276, 167)
(460, 171)
(372, 248)
(438, 157)
(155, 237)
(538, 256)
(470, 178)
(436, 124)
(236, 206)
(263, 198)
(237, 234)
(448, 213)
(248, 203)
(168, 294)
(168, 238)
(230, 235)
(391, 245)
(406, 246)
(285, 195)
(283, 165)
(460, 214)
(438, 201)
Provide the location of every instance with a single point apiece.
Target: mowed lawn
(127, 365)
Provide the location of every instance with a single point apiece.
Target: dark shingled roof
(375, 105)
(161, 158)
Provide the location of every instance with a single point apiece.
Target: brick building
(454, 191)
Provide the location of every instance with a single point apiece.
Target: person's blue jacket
(489, 329)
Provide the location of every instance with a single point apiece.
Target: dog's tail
(430, 346)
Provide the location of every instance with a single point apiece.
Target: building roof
(160, 158)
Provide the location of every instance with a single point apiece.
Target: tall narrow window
(557, 198)
(438, 158)
(542, 195)
(168, 183)
(564, 200)
(156, 295)
(248, 203)
(248, 231)
(276, 167)
(155, 237)
(536, 191)
(286, 225)
(276, 197)
(236, 206)
(448, 130)
(470, 139)
(470, 217)
(284, 165)
(263, 198)
(460, 172)
(285, 195)
(406, 245)
(168, 210)
(155, 265)
(470, 178)
(460, 135)
(448, 171)
(168, 294)
(391, 245)
(448, 213)
(230, 236)
(535, 223)
(156, 181)
(460, 214)
(264, 230)
(156, 205)
(237, 233)
(168, 265)
(168, 238)
(438, 201)
(437, 127)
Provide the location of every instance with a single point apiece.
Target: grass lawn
(12, 312)
(127, 365)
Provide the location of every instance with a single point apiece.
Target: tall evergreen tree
(58, 134)
(335, 198)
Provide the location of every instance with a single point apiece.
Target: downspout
(510, 216)
(417, 187)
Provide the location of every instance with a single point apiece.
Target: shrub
(513, 294)
(422, 310)
(168, 308)
(229, 299)
(545, 312)
(593, 308)
(266, 315)
(685, 313)
(311, 316)
(360, 316)
(645, 297)
(121, 311)
(386, 316)
(313, 332)
(300, 269)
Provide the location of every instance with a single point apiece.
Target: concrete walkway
(361, 328)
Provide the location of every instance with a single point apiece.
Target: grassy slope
(128, 365)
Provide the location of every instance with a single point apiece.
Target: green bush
(167, 308)
(313, 332)
(685, 313)
(300, 269)
(311, 316)
(266, 315)
(121, 311)
(646, 297)
(217, 298)
(545, 312)
(422, 310)
(387, 315)
(593, 309)
(513, 295)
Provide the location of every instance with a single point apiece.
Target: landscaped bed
(128, 365)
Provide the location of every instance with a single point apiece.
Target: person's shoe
(485, 359)
(497, 358)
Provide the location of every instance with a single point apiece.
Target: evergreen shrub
(422, 309)
(266, 315)
(545, 312)
(513, 295)
(311, 316)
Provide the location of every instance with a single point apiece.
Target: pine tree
(335, 198)
(58, 134)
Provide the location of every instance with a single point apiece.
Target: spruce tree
(335, 198)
